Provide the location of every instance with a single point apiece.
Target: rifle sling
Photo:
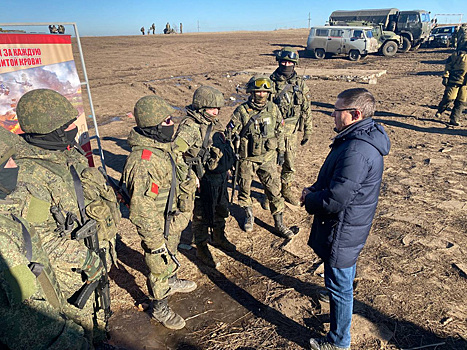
(247, 125)
(168, 214)
(79, 193)
(283, 92)
(204, 146)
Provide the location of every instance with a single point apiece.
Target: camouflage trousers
(288, 168)
(269, 177)
(162, 266)
(458, 94)
(211, 207)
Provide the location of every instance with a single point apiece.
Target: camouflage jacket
(190, 137)
(148, 177)
(456, 68)
(44, 181)
(293, 104)
(264, 137)
(32, 308)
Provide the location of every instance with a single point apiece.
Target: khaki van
(353, 42)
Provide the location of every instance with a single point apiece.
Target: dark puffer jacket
(345, 195)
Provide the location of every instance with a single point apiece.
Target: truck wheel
(320, 54)
(354, 55)
(389, 48)
(406, 45)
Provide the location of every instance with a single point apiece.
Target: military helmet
(207, 97)
(42, 111)
(259, 83)
(151, 111)
(8, 142)
(288, 53)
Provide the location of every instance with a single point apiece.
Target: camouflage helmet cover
(8, 142)
(259, 83)
(288, 53)
(207, 97)
(151, 111)
(42, 111)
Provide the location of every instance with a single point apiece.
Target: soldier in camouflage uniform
(200, 137)
(161, 202)
(48, 160)
(32, 306)
(461, 37)
(259, 127)
(292, 96)
(455, 80)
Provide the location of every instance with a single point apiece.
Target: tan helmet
(151, 111)
(259, 83)
(42, 111)
(288, 53)
(207, 97)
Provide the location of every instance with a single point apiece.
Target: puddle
(238, 99)
(133, 330)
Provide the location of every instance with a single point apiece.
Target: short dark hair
(360, 99)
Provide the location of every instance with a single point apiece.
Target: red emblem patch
(155, 188)
(146, 155)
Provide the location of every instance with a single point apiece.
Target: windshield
(425, 17)
(369, 34)
(442, 30)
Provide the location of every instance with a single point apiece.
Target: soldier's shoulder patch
(154, 188)
(146, 155)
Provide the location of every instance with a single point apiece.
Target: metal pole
(86, 83)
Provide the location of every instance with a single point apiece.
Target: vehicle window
(403, 18)
(412, 18)
(337, 32)
(369, 34)
(425, 17)
(357, 34)
(321, 32)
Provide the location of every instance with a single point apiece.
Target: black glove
(305, 139)
(280, 158)
(445, 81)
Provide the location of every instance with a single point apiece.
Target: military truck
(413, 26)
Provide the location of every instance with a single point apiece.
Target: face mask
(8, 179)
(57, 140)
(286, 70)
(161, 133)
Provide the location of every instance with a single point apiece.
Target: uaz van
(353, 42)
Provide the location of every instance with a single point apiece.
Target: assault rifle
(236, 144)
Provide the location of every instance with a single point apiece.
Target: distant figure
(50, 28)
(181, 28)
(61, 29)
(153, 28)
(461, 37)
(142, 30)
(167, 28)
(53, 30)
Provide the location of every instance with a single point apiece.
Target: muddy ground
(411, 284)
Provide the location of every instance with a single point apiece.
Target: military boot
(165, 315)
(456, 113)
(249, 219)
(219, 240)
(204, 255)
(180, 285)
(281, 229)
(288, 194)
(265, 204)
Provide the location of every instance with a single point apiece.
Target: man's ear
(357, 115)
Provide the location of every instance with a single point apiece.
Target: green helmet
(288, 53)
(151, 111)
(259, 83)
(207, 97)
(8, 142)
(43, 110)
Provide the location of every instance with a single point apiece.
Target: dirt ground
(411, 283)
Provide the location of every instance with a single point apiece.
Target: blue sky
(118, 17)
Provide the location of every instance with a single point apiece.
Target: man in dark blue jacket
(343, 201)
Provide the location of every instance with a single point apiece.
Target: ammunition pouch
(186, 195)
